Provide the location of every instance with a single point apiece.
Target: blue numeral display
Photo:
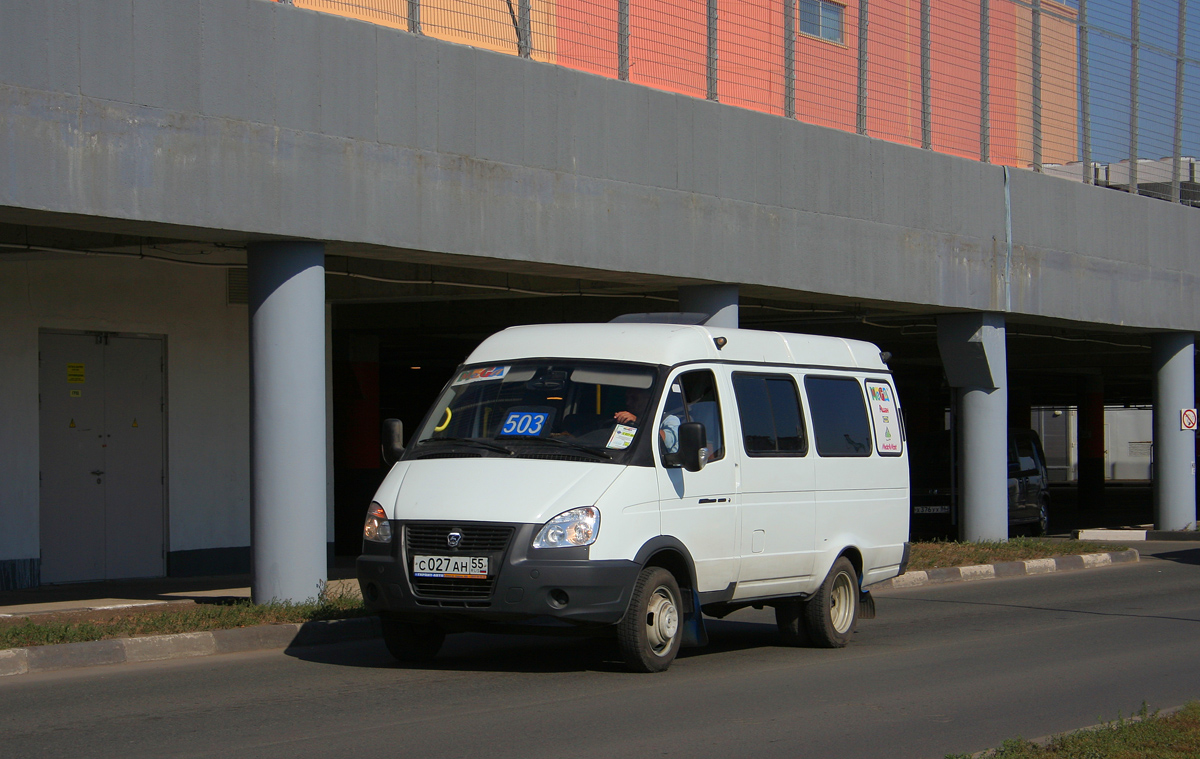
(524, 423)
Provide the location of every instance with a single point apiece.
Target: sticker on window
(885, 415)
(621, 437)
(480, 374)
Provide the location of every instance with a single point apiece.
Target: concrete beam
(973, 351)
(267, 119)
(288, 425)
(1174, 447)
(719, 301)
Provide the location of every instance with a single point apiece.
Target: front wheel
(411, 643)
(831, 615)
(650, 633)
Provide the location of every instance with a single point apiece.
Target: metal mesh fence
(1104, 91)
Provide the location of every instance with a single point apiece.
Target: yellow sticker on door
(76, 393)
(135, 422)
(74, 373)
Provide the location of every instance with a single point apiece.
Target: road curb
(1137, 535)
(22, 661)
(1007, 569)
(1046, 740)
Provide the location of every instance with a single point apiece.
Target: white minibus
(629, 478)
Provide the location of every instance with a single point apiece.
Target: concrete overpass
(222, 134)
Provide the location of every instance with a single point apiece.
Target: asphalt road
(942, 669)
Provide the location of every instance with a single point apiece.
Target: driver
(635, 398)
(668, 430)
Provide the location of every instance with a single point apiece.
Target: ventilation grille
(237, 287)
(431, 538)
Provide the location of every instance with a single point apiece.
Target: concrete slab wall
(262, 118)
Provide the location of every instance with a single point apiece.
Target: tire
(789, 618)
(650, 633)
(411, 643)
(1038, 528)
(831, 615)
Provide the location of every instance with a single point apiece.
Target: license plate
(474, 567)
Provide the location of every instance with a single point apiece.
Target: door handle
(97, 472)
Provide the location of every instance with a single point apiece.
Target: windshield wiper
(469, 441)
(565, 443)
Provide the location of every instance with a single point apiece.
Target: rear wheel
(1038, 528)
(831, 615)
(650, 633)
(412, 643)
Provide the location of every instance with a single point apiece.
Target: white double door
(101, 421)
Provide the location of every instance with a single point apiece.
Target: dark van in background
(934, 497)
(1028, 484)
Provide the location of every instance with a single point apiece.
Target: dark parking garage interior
(398, 335)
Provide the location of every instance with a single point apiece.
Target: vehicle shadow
(1187, 556)
(532, 654)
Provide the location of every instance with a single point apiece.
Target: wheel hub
(662, 621)
(841, 603)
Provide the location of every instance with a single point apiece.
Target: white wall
(1128, 434)
(207, 386)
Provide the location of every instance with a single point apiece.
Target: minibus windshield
(564, 408)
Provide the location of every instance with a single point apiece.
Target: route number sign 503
(524, 423)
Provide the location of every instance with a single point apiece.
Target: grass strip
(1143, 736)
(937, 554)
(200, 618)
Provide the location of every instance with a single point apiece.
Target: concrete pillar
(973, 353)
(1174, 448)
(287, 419)
(1090, 432)
(720, 301)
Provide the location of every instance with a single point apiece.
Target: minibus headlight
(577, 527)
(377, 528)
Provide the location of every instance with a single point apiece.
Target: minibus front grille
(472, 540)
(475, 539)
(453, 588)
(442, 603)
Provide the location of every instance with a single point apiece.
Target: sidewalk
(94, 602)
(82, 601)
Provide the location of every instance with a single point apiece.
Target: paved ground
(140, 594)
(948, 668)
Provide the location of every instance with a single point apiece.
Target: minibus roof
(671, 344)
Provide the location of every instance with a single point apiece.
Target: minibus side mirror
(693, 451)
(393, 440)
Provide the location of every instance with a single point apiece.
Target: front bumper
(556, 586)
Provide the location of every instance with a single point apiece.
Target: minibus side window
(691, 397)
(769, 409)
(839, 416)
